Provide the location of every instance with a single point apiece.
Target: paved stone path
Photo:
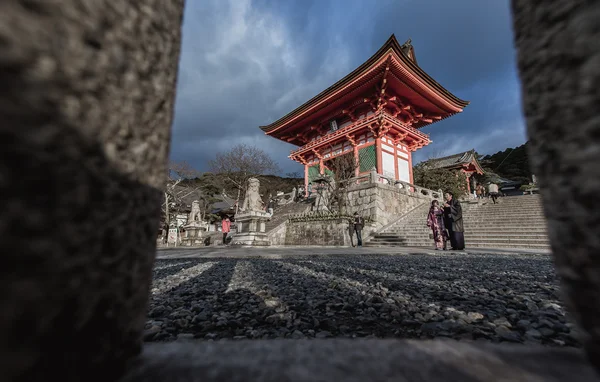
(284, 252)
(236, 293)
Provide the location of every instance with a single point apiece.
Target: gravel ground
(485, 297)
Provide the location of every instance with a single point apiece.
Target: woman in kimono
(457, 230)
(435, 221)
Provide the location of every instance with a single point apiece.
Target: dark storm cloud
(247, 63)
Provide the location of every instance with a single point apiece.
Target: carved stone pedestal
(193, 235)
(251, 229)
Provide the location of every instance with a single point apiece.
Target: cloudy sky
(246, 63)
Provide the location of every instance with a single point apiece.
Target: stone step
(468, 238)
(507, 222)
(469, 245)
(512, 229)
(491, 242)
(475, 227)
(467, 214)
(515, 214)
(474, 235)
(501, 207)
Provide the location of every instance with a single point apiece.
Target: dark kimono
(435, 221)
(351, 231)
(457, 235)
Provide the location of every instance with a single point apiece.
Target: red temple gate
(374, 113)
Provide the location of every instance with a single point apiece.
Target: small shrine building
(374, 114)
(465, 162)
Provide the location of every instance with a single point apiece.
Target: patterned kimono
(435, 221)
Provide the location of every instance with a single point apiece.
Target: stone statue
(195, 215)
(252, 201)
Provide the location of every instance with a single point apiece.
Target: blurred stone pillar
(85, 108)
(558, 45)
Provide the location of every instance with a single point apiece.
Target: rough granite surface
(86, 107)
(357, 361)
(558, 45)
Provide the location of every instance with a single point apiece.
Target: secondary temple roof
(410, 80)
(457, 161)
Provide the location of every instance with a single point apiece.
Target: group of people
(446, 223)
(299, 194)
(492, 191)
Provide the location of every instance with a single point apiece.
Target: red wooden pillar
(410, 166)
(396, 174)
(468, 176)
(321, 167)
(305, 180)
(356, 158)
(379, 156)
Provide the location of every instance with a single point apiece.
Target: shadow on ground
(493, 298)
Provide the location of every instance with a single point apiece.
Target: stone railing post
(86, 111)
(373, 178)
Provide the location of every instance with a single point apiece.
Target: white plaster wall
(402, 154)
(403, 170)
(388, 164)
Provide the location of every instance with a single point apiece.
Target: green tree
(453, 181)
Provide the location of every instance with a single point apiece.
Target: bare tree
(175, 193)
(241, 163)
(343, 168)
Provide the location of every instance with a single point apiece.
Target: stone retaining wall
(278, 234)
(332, 232)
(381, 204)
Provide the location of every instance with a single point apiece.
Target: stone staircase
(281, 213)
(515, 222)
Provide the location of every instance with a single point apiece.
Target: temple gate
(466, 162)
(374, 114)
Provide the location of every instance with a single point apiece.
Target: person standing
(448, 225)
(455, 212)
(479, 191)
(359, 223)
(309, 189)
(493, 190)
(225, 228)
(435, 221)
(270, 207)
(351, 231)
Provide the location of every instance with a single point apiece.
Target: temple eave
(403, 64)
(388, 125)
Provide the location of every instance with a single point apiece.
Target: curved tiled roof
(456, 160)
(406, 54)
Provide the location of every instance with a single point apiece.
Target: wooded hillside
(269, 184)
(512, 163)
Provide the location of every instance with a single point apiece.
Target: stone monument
(251, 219)
(194, 226)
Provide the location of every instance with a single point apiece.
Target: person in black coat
(453, 212)
(359, 223)
(351, 231)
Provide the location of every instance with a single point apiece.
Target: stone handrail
(409, 188)
(322, 216)
(421, 191)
